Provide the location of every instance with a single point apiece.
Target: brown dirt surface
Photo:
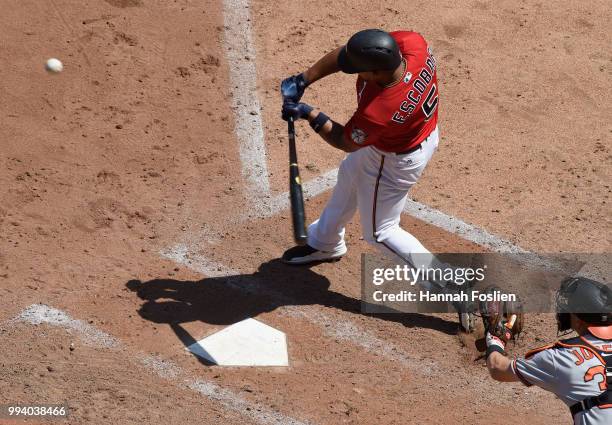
(131, 151)
(47, 364)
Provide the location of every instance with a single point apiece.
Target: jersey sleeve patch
(358, 136)
(362, 129)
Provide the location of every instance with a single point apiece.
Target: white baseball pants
(377, 183)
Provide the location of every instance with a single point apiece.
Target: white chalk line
(272, 206)
(38, 314)
(465, 230)
(240, 53)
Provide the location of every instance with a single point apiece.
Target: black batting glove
(292, 88)
(295, 110)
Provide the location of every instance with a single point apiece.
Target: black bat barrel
(295, 190)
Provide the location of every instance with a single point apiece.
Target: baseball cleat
(306, 254)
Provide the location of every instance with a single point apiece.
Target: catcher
(577, 370)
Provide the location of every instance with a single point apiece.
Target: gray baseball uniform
(574, 370)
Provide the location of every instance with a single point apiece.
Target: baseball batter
(577, 370)
(391, 138)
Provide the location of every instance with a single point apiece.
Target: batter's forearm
(333, 134)
(325, 66)
(500, 368)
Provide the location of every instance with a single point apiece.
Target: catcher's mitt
(503, 319)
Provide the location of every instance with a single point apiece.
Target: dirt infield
(133, 203)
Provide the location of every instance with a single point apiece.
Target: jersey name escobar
(401, 116)
(420, 84)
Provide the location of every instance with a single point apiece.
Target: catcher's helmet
(369, 50)
(588, 299)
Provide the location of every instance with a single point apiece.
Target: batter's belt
(412, 149)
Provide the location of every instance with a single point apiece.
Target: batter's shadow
(230, 299)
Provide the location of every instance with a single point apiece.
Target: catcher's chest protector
(603, 400)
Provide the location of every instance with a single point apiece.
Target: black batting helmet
(588, 299)
(369, 50)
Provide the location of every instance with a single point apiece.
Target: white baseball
(54, 65)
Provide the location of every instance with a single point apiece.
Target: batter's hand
(295, 110)
(292, 88)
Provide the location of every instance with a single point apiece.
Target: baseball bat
(295, 190)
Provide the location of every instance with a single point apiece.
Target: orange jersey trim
(518, 374)
(591, 345)
(587, 347)
(534, 351)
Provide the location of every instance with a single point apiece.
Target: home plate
(246, 343)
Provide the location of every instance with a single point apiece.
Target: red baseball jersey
(399, 117)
